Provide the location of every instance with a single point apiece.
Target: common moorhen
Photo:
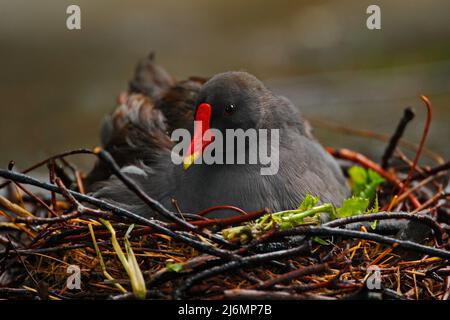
(137, 134)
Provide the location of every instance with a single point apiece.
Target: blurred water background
(56, 85)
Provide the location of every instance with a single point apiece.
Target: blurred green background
(55, 84)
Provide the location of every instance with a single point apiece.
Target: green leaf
(374, 176)
(175, 267)
(374, 224)
(320, 241)
(358, 179)
(129, 262)
(374, 180)
(364, 182)
(358, 174)
(308, 203)
(353, 206)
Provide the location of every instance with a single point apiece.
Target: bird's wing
(175, 99)
(158, 182)
(139, 129)
(135, 132)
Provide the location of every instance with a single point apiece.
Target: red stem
(367, 163)
(210, 209)
(426, 129)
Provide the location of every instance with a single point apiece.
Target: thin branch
(43, 162)
(326, 231)
(426, 129)
(134, 187)
(233, 265)
(319, 268)
(390, 215)
(104, 205)
(408, 115)
(431, 172)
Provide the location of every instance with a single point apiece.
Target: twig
(431, 172)
(41, 220)
(398, 199)
(293, 275)
(43, 162)
(36, 198)
(421, 145)
(21, 178)
(50, 250)
(152, 203)
(408, 115)
(367, 163)
(51, 170)
(215, 208)
(345, 129)
(219, 223)
(326, 231)
(232, 265)
(390, 215)
(22, 262)
(440, 194)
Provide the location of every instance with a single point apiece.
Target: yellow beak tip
(186, 165)
(190, 160)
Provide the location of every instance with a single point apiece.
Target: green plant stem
(102, 263)
(129, 263)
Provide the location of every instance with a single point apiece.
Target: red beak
(199, 140)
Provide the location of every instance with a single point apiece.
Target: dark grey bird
(137, 134)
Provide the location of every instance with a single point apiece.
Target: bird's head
(230, 100)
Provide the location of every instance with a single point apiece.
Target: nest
(59, 243)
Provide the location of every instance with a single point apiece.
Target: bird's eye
(230, 109)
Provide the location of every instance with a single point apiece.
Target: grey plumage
(304, 166)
